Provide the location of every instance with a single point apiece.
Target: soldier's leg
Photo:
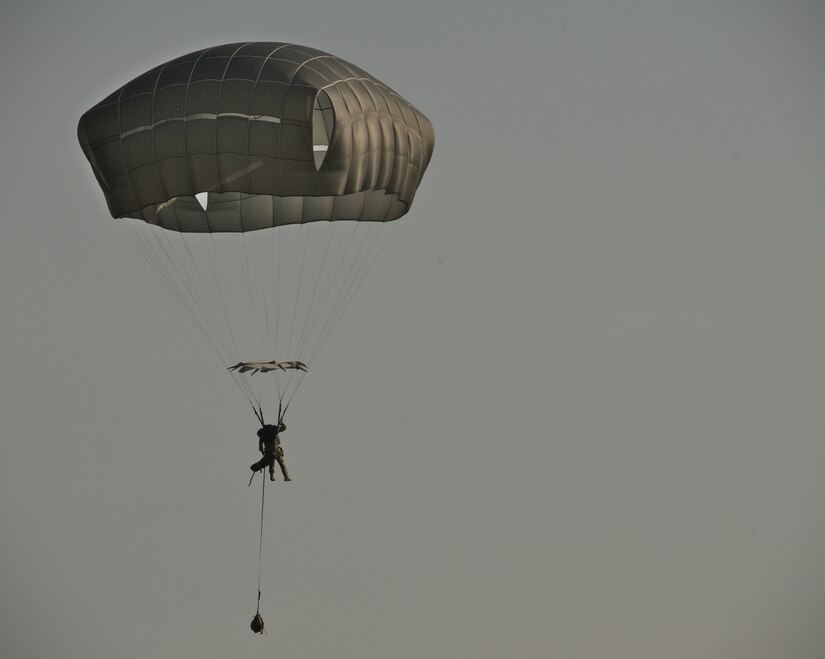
(280, 459)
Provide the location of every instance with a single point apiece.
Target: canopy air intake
(323, 121)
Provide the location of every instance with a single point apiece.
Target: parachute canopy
(272, 133)
(256, 179)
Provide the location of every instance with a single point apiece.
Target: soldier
(269, 443)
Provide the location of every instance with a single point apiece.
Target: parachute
(260, 181)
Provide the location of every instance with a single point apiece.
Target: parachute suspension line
(166, 247)
(339, 258)
(305, 295)
(277, 295)
(349, 279)
(360, 232)
(229, 347)
(262, 275)
(300, 282)
(326, 264)
(304, 330)
(295, 348)
(283, 348)
(256, 279)
(173, 259)
(193, 288)
(164, 269)
(214, 258)
(239, 237)
(267, 288)
(366, 266)
(284, 302)
(153, 258)
(259, 413)
(325, 289)
(169, 265)
(216, 267)
(249, 280)
(345, 258)
(353, 282)
(173, 256)
(333, 287)
(310, 311)
(263, 288)
(363, 267)
(302, 234)
(253, 284)
(277, 307)
(314, 306)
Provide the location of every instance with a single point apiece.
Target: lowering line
(257, 623)
(261, 540)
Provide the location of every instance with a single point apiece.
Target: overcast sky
(576, 410)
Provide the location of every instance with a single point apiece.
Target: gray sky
(575, 411)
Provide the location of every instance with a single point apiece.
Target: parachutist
(269, 444)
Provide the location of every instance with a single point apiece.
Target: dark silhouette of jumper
(269, 444)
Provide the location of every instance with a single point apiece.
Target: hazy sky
(576, 410)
